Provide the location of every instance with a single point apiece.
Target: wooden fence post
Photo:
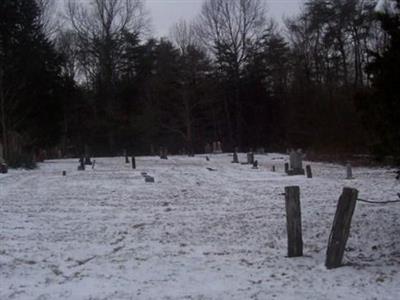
(341, 228)
(287, 168)
(293, 218)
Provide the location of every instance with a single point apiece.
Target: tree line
(325, 81)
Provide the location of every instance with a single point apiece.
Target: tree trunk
(4, 130)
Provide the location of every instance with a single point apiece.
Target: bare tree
(49, 17)
(231, 30)
(100, 27)
(194, 67)
(237, 24)
(183, 34)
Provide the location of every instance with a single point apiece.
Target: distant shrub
(24, 161)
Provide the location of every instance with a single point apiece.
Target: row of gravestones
(294, 167)
(215, 147)
(250, 159)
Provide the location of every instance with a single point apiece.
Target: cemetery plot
(105, 233)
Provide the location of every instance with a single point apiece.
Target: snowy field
(193, 234)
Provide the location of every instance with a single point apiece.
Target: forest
(90, 77)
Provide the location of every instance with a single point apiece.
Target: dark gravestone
(308, 171)
(88, 161)
(64, 173)
(255, 164)
(81, 166)
(133, 162)
(273, 169)
(235, 158)
(163, 153)
(3, 165)
(126, 157)
(149, 179)
(3, 168)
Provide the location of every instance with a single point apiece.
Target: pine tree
(381, 109)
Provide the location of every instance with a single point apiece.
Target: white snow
(193, 234)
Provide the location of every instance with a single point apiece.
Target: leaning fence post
(293, 218)
(341, 228)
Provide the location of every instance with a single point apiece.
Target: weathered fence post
(308, 171)
(341, 228)
(293, 218)
(133, 162)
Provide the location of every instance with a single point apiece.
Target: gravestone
(81, 166)
(260, 150)
(133, 162)
(2, 161)
(214, 147)
(163, 153)
(126, 157)
(88, 161)
(219, 147)
(255, 164)
(250, 158)
(309, 171)
(235, 156)
(149, 179)
(349, 172)
(208, 149)
(3, 165)
(296, 163)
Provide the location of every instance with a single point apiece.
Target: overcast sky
(165, 13)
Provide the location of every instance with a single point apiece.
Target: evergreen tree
(381, 108)
(30, 81)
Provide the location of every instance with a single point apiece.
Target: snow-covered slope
(193, 234)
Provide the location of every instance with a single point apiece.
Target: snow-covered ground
(193, 234)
